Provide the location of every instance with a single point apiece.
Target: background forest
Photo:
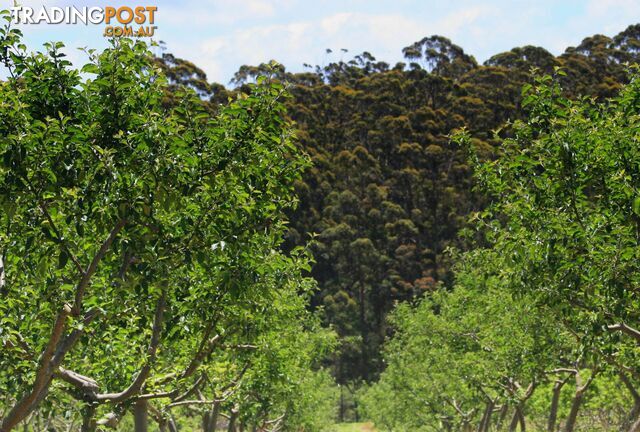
(389, 191)
(391, 196)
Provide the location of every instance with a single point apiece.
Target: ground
(355, 427)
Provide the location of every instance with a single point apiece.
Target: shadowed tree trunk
(634, 414)
(517, 419)
(232, 420)
(514, 422)
(521, 420)
(466, 426)
(504, 410)
(212, 418)
(577, 401)
(140, 417)
(635, 427)
(88, 419)
(486, 417)
(518, 414)
(172, 425)
(555, 401)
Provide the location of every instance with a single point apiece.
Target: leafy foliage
(140, 246)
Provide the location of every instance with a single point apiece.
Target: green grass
(354, 427)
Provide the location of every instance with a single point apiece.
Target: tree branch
(624, 328)
(142, 376)
(61, 238)
(93, 266)
(43, 376)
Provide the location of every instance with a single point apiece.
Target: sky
(221, 35)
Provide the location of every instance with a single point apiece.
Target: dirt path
(355, 427)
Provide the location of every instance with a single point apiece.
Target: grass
(354, 427)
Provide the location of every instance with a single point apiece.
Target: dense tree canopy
(140, 249)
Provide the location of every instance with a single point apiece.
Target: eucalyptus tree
(132, 235)
(440, 56)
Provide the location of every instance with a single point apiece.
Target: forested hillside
(389, 191)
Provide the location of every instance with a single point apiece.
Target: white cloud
(209, 13)
(221, 35)
(300, 42)
(619, 13)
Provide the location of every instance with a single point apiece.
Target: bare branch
(204, 351)
(88, 385)
(193, 402)
(562, 370)
(624, 328)
(192, 389)
(70, 340)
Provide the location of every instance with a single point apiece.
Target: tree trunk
(172, 425)
(575, 407)
(523, 426)
(504, 410)
(363, 332)
(481, 424)
(573, 414)
(210, 419)
(514, 421)
(634, 414)
(341, 415)
(88, 419)
(486, 417)
(232, 421)
(213, 415)
(446, 424)
(466, 426)
(555, 401)
(577, 400)
(635, 427)
(633, 419)
(141, 420)
(487, 422)
(518, 419)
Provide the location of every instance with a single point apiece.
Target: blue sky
(221, 35)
